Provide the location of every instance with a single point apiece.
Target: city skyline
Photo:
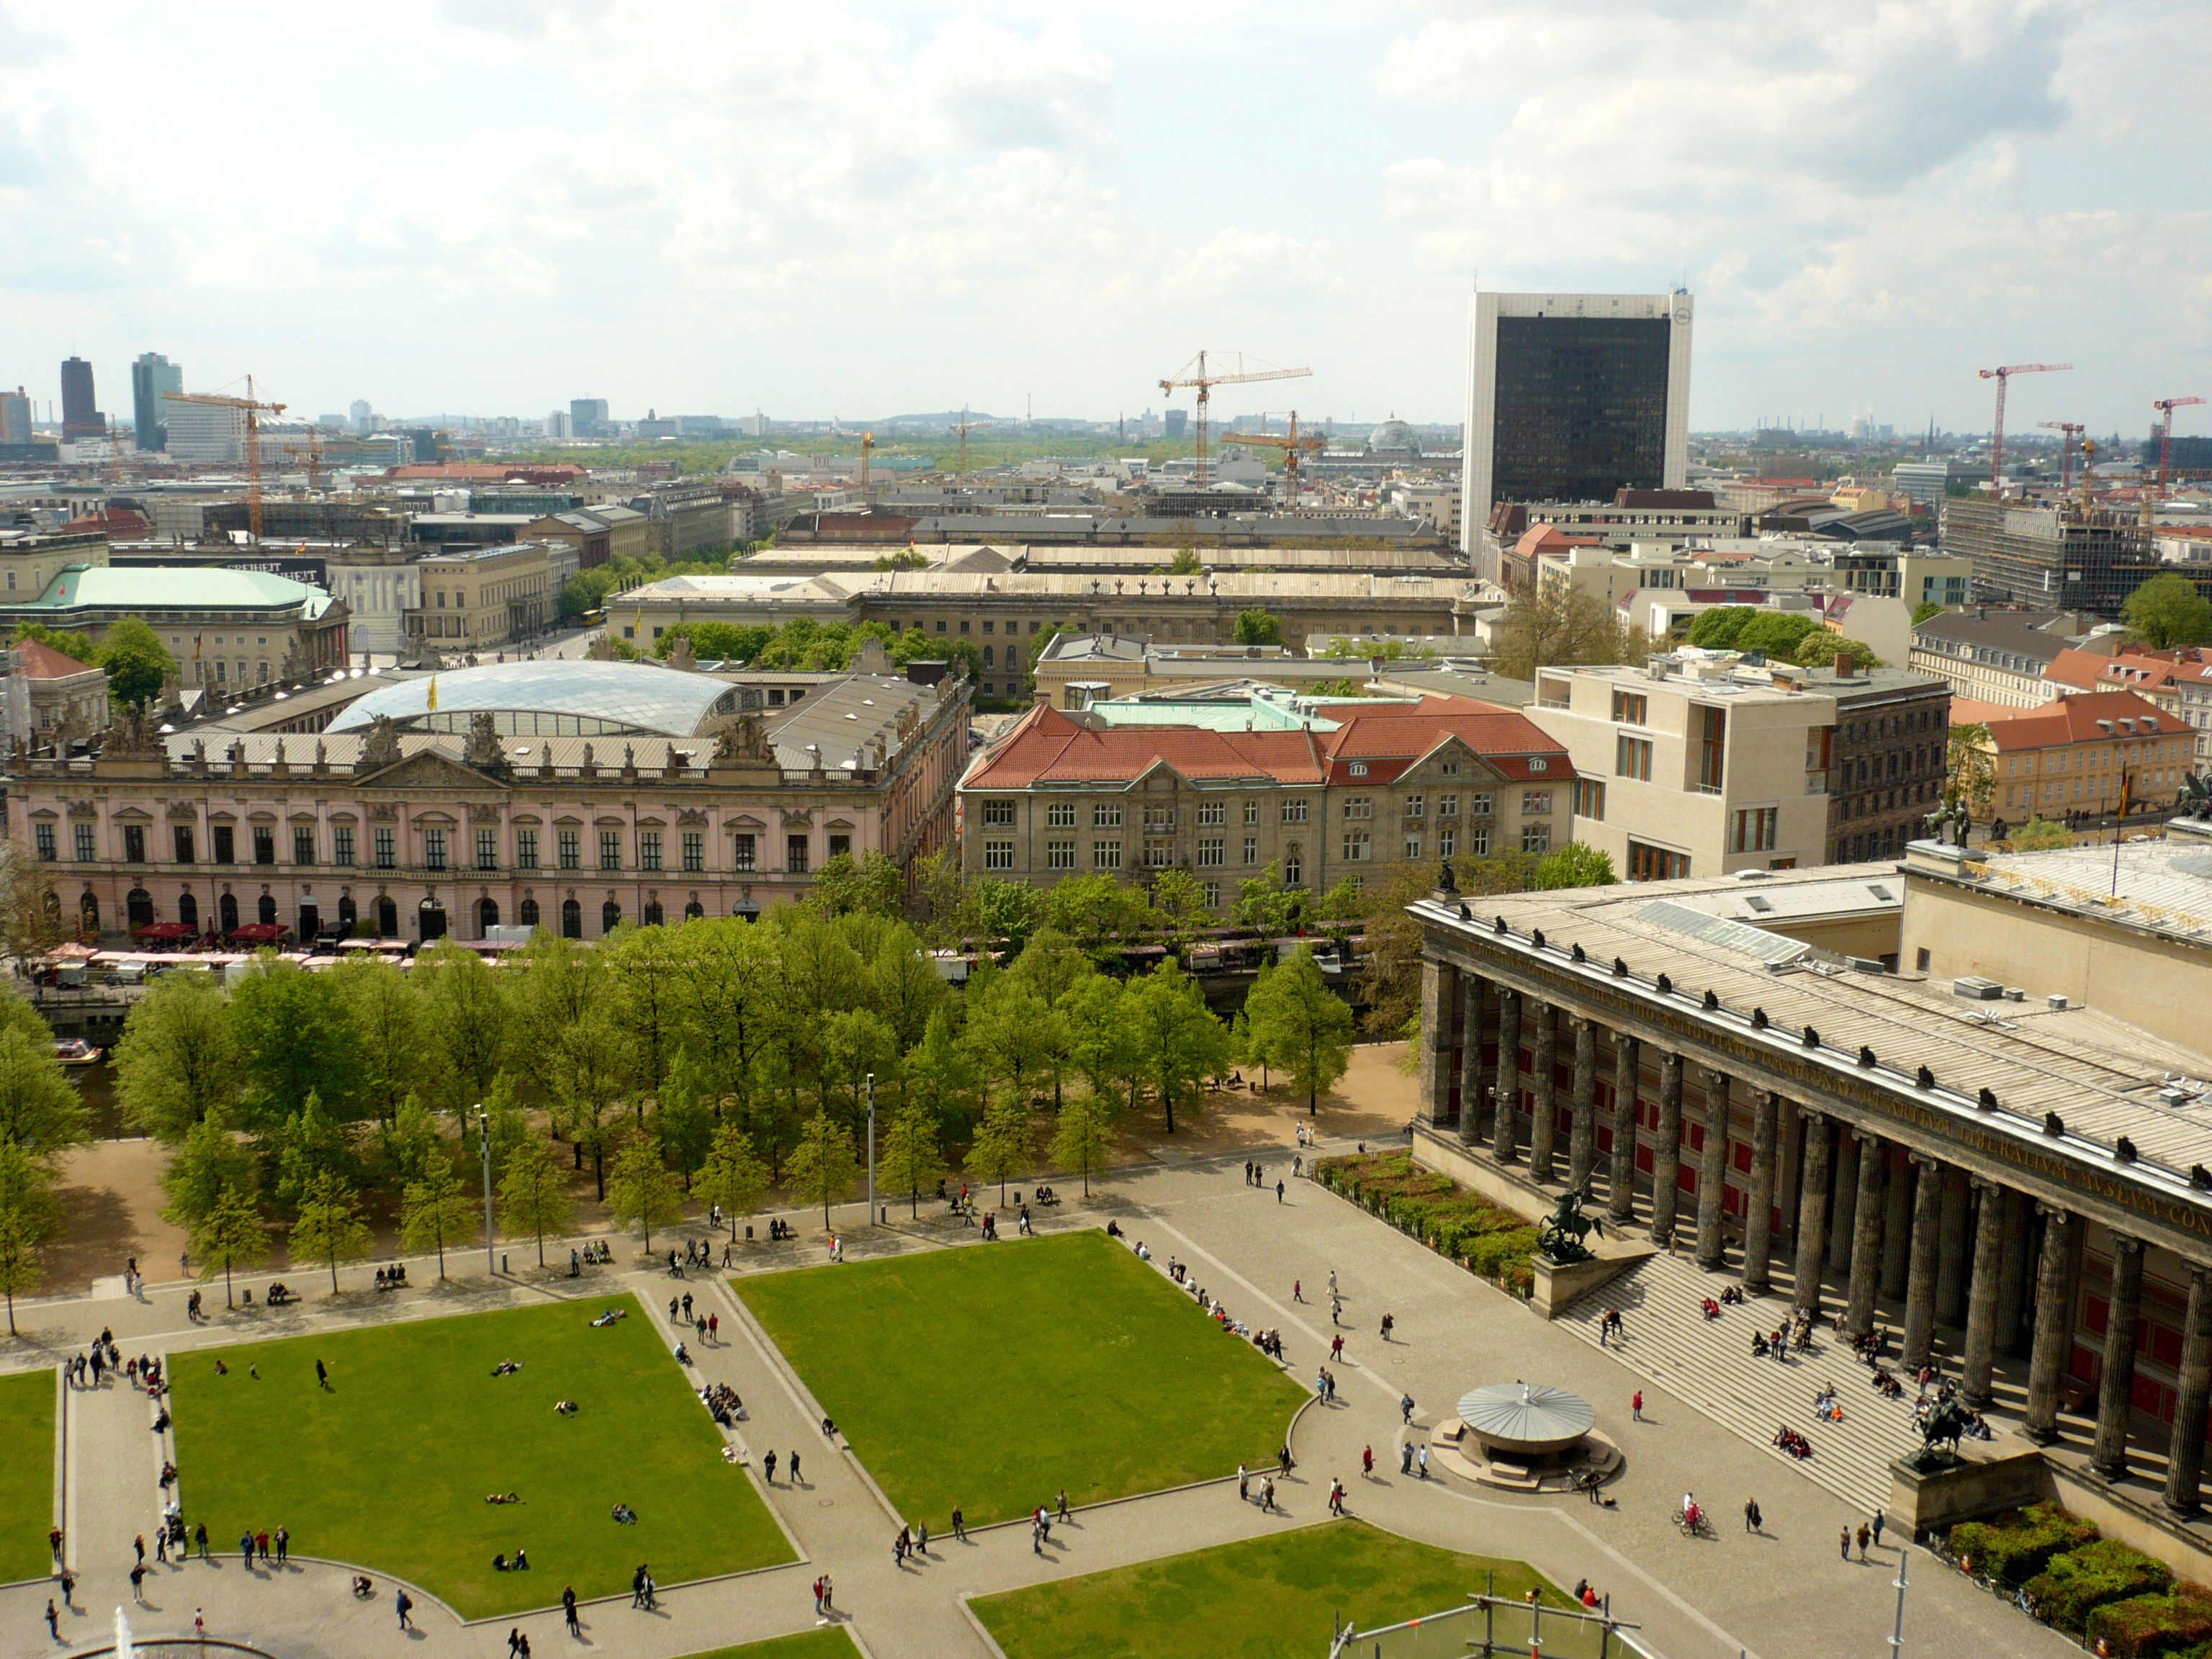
(875, 212)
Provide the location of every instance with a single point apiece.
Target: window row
(440, 849)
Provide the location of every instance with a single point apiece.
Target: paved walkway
(1696, 1599)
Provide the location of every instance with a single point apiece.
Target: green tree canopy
(328, 1229)
(733, 1177)
(1552, 623)
(178, 1058)
(1181, 1041)
(1001, 1148)
(533, 1193)
(29, 1217)
(2168, 610)
(295, 1038)
(1082, 1137)
(641, 1191)
(1257, 626)
(40, 1111)
(911, 1155)
(873, 883)
(136, 660)
(213, 1161)
(229, 1235)
(821, 1168)
(436, 1210)
(1298, 1026)
(1576, 865)
(2041, 836)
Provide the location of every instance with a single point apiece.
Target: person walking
(1876, 1524)
(1367, 1463)
(1388, 1323)
(1844, 1543)
(1243, 1485)
(1406, 1457)
(1752, 1521)
(137, 1582)
(1425, 1460)
(1863, 1536)
(568, 1611)
(200, 1538)
(53, 1618)
(1336, 1349)
(1636, 1406)
(1062, 1509)
(514, 1641)
(959, 1526)
(794, 1466)
(283, 1544)
(322, 1375)
(401, 1600)
(1278, 1189)
(1297, 1289)
(1335, 1496)
(1406, 1409)
(768, 1466)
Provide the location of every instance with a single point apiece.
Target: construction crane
(1996, 441)
(963, 426)
(1195, 374)
(1293, 447)
(2089, 460)
(2166, 406)
(867, 448)
(253, 408)
(2072, 430)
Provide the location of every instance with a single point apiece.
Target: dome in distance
(1393, 435)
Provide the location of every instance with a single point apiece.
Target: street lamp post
(872, 1149)
(483, 1133)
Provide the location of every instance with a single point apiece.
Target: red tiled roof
(1046, 744)
(40, 661)
(1549, 538)
(115, 521)
(2135, 666)
(2076, 717)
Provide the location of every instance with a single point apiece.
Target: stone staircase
(1709, 1364)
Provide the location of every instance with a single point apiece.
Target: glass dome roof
(552, 699)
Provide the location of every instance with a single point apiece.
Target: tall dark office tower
(150, 376)
(1570, 397)
(81, 416)
(587, 416)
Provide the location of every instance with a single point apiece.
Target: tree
(1102, 1037)
(1257, 626)
(1576, 865)
(1093, 907)
(397, 1044)
(69, 642)
(212, 1162)
(1924, 609)
(30, 910)
(1179, 902)
(435, 1211)
(683, 1121)
(465, 1007)
(1820, 649)
(533, 1193)
(1550, 622)
(733, 1177)
(822, 1168)
(911, 1155)
(39, 1110)
(1718, 629)
(641, 1188)
(2168, 610)
(136, 660)
(328, 1229)
(940, 1078)
(1186, 564)
(28, 1218)
(178, 1060)
(296, 1038)
(1008, 1030)
(872, 884)
(1301, 1026)
(1000, 1150)
(1969, 765)
(1081, 1137)
(1181, 1041)
(2041, 835)
(1267, 907)
(230, 1235)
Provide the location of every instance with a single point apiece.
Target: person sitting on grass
(564, 1408)
(501, 1498)
(625, 1515)
(507, 1368)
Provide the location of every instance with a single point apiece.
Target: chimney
(1843, 669)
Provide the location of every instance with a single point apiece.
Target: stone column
(1627, 1055)
(1788, 1168)
(1505, 1098)
(1982, 1295)
(1543, 1087)
(1582, 1133)
(1758, 1199)
(1842, 1230)
(1951, 1266)
(2013, 1278)
(2185, 1458)
(1666, 1156)
(1926, 1263)
(2053, 1326)
(2115, 1392)
(1897, 1230)
(1866, 1243)
(1439, 996)
(1812, 1213)
(1471, 1123)
(1712, 1172)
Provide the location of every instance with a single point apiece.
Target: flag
(434, 694)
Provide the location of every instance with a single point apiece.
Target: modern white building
(205, 433)
(1572, 397)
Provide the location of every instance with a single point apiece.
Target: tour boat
(76, 1051)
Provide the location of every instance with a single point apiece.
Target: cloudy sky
(492, 206)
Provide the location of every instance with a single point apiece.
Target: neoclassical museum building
(1954, 1146)
(573, 795)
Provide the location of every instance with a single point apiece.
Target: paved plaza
(1780, 1593)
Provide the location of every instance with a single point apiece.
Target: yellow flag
(434, 694)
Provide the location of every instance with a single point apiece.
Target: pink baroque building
(568, 795)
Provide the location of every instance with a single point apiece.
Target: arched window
(88, 910)
(526, 912)
(572, 919)
(188, 910)
(693, 910)
(387, 919)
(487, 915)
(138, 904)
(311, 920)
(227, 913)
(610, 916)
(265, 911)
(431, 916)
(348, 915)
(652, 913)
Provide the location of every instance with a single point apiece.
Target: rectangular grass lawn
(26, 1474)
(993, 1375)
(389, 1468)
(825, 1641)
(1265, 1598)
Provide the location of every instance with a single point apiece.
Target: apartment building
(1706, 763)
(482, 598)
(2071, 755)
(1443, 777)
(2178, 682)
(2004, 656)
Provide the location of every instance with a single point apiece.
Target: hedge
(2093, 1587)
(2146, 1624)
(2012, 1549)
(1488, 1238)
(2078, 1582)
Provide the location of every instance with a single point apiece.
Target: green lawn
(992, 1375)
(828, 1642)
(389, 1468)
(1262, 1599)
(26, 1474)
